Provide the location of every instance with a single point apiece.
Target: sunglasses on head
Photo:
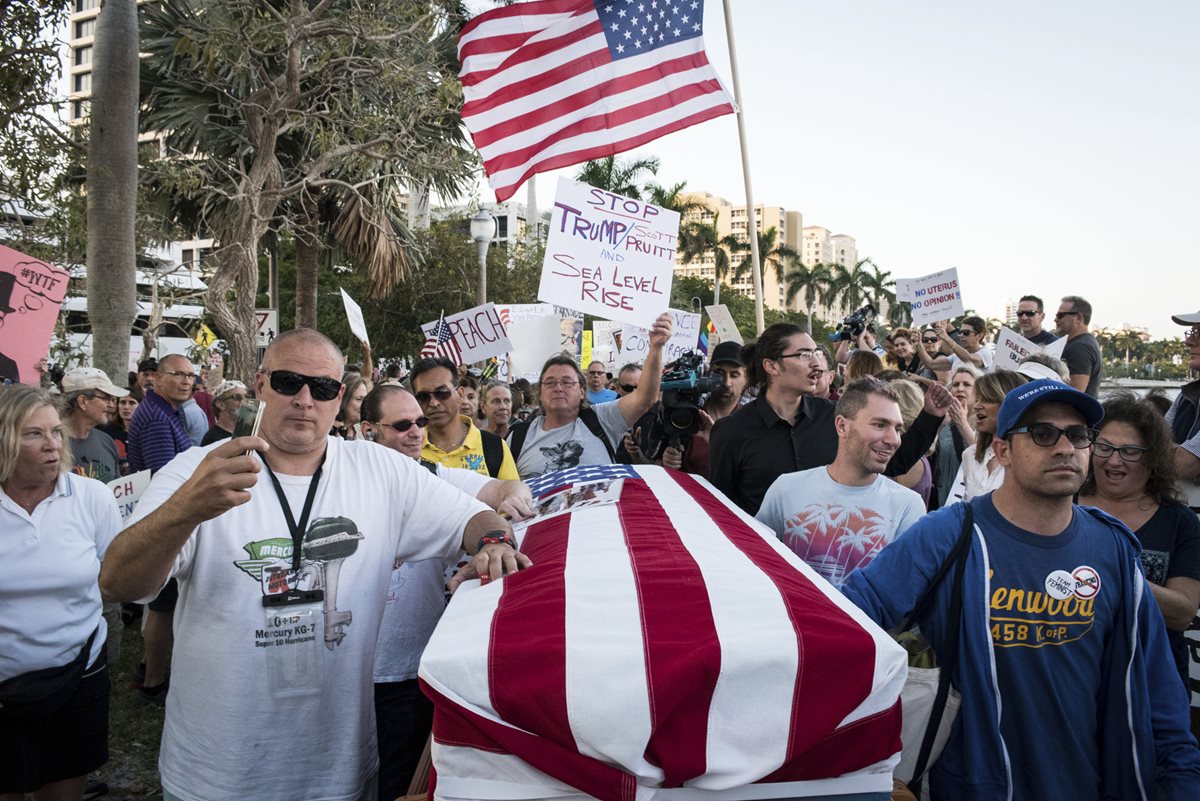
(285, 382)
(404, 425)
(442, 394)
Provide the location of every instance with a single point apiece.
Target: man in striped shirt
(156, 435)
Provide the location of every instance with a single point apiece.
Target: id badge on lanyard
(293, 617)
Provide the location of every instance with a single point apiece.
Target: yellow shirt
(469, 455)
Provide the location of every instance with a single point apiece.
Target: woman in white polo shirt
(54, 529)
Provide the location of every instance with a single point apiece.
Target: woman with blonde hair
(55, 527)
(979, 472)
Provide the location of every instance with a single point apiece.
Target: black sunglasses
(441, 394)
(1028, 313)
(404, 425)
(285, 382)
(1047, 434)
(929, 340)
(627, 388)
(1060, 315)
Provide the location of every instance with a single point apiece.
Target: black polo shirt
(752, 447)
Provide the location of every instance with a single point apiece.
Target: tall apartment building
(822, 247)
(734, 219)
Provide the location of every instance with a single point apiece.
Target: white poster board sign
(354, 315)
(533, 341)
(722, 320)
(609, 255)
(933, 297)
(128, 489)
(635, 341)
(479, 332)
(1012, 349)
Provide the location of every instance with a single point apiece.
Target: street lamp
(483, 231)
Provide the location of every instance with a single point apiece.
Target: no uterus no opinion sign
(609, 255)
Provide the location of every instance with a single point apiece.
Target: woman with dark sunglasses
(1133, 479)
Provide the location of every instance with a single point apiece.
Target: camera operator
(862, 340)
(722, 402)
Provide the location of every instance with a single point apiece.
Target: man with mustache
(723, 401)
(1062, 657)
(837, 518)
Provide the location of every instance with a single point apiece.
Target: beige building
(734, 219)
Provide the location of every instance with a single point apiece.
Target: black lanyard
(297, 530)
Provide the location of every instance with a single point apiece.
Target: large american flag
(551, 83)
(665, 640)
(441, 342)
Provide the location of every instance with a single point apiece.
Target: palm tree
(811, 282)
(849, 285)
(879, 286)
(618, 177)
(772, 253)
(698, 239)
(674, 198)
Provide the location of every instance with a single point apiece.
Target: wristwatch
(496, 537)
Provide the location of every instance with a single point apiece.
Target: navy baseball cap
(1025, 397)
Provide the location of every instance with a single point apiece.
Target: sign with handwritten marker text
(479, 332)
(31, 292)
(128, 489)
(933, 297)
(635, 341)
(1012, 349)
(609, 255)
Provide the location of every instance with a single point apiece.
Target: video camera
(854, 324)
(677, 417)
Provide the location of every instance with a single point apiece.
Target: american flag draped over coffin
(665, 641)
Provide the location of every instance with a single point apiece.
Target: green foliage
(618, 176)
(741, 308)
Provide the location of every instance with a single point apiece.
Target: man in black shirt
(787, 429)
(1030, 314)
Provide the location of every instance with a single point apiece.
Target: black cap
(148, 365)
(728, 351)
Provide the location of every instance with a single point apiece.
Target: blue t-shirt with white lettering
(1053, 600)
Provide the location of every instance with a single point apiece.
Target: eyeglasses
(103, 397)
(1047, 434)
(441, 393)
(404, 425)
(1060, 315)
(238, 398)
(1191, 335)
(565, 383)
(803, 353)
(182, 375)
(597, 373)
(1028, 313)
(1128, 453)
(627, 388)
(285, 382)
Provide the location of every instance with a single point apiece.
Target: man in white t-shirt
(837, 518)
(416, 598)
(282, 580)
(569, 434)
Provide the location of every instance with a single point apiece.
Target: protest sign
(358, 326)
(722, 320)
(585, 356)
(1012, 349)
(128, 489)
(933, 297)
(635, 341)
(31, 292)
(478, 332)
(609, 255)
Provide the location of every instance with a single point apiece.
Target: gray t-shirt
(571, 445)
(1082, 355)
(96, 457)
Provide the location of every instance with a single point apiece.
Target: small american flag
(551, 83)
(553, 482)
(441, 343)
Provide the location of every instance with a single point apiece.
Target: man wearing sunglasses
(597, 383)
(1184, 416)
(1062, 660)
(284, 557)
(392, 417)
(227, 399)
(1082, 351)
(1030, 315)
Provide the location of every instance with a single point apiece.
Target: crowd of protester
(838, 450)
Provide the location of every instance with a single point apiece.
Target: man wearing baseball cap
(1184, 416)
(727, 365)
(227, 397)
(1062, 656)
(88, 398)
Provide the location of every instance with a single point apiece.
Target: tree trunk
(308, 236)
(112, 176)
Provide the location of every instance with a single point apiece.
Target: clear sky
(1045, 148)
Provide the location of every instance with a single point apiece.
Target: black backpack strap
(493, 453)
(516, 436)
(948, 657)
(428, 465)
(592, 420)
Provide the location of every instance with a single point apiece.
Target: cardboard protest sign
(1012, 349)
(722, 320)
(128, 489)
(31, 292)
(635, 341)
(478, 332)
(358, 326)
(933, 297)
(609, 255)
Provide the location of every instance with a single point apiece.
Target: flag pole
(751, 214)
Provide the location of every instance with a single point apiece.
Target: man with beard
(1030, 316)
(837, 518)
(227, 399)
(723, 401)
(1057, 626)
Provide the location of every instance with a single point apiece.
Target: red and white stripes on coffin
(667, 641)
